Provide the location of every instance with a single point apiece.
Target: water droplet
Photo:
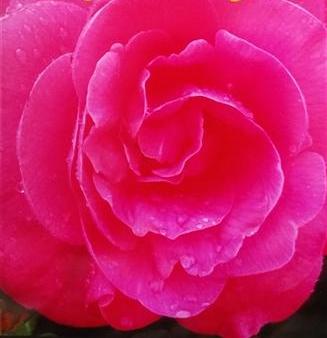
(183, 314)
(173, 307)
(63, 32)
(205, 304)
(36, 52)
(163, 232)
(140, 231)
(20, 188)
(187, 261)
(293, 149)
(156, 285)
(18, 5)
(199, 226)
(218, 248)
(27, 28)
(205, 219)
(229, 86)
(21, 55)
(43, 20)
(105, 300)
(181, 220)
(191, 299)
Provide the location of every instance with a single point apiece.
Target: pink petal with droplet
(44, 140)
(247, 303)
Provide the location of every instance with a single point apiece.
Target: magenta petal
(105, 151)
(15, 5)
(297, 39)
(44, 140)
(274, 244)
(198, 252)
(316, 7)
(117, 22)
(135, 275)
(119, 74)
(125, 313)
(244, 73)
(42, 273)
(119, 311)
(247, 303)
(305, 188)
(270, 248)
(28, 45)
(166, 210)
(162, 138)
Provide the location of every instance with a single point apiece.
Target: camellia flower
(163, 158)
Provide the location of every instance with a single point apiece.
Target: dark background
(309, 322)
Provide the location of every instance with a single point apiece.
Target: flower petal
(135, 275)
(41, 272)
(299, 42)
(28, 36)
(244, 73)
(247, 303)
(118, 21)
(44, 140)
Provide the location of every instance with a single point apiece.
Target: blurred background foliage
(309, 322)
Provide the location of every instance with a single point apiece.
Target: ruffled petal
(299, 42)
(135, 275)
(302, 199)
(119, 74)
(105, 151)
(118, 21)
(247, 303)
(243, 73)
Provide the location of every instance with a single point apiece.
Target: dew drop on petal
(183, 314)
(163, 231)
(20, 188)
(218, 248)
(187, 261)
(156, 285)
(21, 55)
(181, 220)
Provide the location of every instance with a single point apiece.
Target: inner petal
(239, 176)
(244, 73)
(162, 138)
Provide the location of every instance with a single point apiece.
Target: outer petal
(119, 311)
(244, 73)
(44, 140)
(316, 7)
(248, 303)
(42, 273)
(133, 272)
(274, 244)
(297, 39)
(15, 5)
(30, 42)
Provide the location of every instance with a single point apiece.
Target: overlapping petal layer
(188, 137)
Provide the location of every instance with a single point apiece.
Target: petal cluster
(159, 162)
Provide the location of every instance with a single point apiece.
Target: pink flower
(163, 158)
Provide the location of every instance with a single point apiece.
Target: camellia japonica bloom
(163, 158)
